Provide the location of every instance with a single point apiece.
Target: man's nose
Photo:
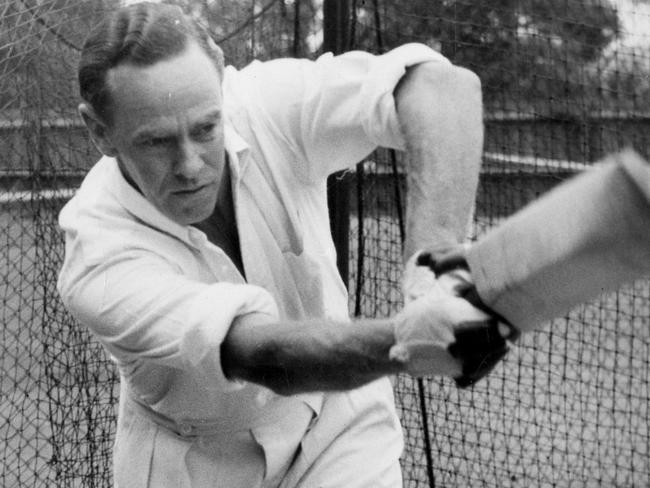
(188, 160)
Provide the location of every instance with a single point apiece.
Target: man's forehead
(150, 97)
(184, 83)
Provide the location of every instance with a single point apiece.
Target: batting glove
(425, 328)
(478, 345)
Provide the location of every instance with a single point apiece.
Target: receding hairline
(190, 43)
(131, 35)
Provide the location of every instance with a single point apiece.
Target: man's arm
(315, 355)
(439, 107)
(321, 355)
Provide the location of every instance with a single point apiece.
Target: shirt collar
(238, 152)
(134, 202)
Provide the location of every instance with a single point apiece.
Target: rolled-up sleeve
(142, 309)
(336, 110)
(379, 118)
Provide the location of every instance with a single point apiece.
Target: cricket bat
(589, 235)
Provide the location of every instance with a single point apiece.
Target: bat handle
(453, 259)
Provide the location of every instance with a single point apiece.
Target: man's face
(167, 132)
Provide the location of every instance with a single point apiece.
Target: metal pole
(336, 28)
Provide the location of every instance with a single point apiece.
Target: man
(198, 251)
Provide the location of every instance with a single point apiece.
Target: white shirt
(160, 297)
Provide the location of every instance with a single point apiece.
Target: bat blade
(589, 235)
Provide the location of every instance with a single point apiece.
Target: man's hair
(140, 34)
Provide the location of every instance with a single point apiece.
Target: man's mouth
(191, 191)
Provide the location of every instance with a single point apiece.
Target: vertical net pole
(296, 29)
(360, 241)
(336, 40)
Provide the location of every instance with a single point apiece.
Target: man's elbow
(441, 81)
(465, 79)
(447, 76)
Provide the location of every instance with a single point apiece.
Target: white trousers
(353, 442)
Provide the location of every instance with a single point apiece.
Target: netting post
(336, 21)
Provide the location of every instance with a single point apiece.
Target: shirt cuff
(201, 344)
(380, 120)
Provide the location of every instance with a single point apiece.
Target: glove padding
(418, 280)
(478, 345)
(425, 329)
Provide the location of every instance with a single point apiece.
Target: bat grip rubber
(454, 259)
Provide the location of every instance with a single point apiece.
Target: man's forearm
(440, 111)
(315, 355)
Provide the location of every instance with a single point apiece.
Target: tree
(40, 43)
(520, 48)
(257, 29)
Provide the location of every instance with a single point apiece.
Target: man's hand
(425, 331)
(421, 276)
(478, 344)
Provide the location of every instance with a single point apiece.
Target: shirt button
(185, 429)
(196, 236)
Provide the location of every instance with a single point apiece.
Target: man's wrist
(398, 353)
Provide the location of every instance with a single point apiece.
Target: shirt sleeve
(142, 309)
(337, 109)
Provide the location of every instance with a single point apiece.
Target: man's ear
(98, 130)
(217, 54)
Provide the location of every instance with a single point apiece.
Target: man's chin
(192, 209)
(191, 215)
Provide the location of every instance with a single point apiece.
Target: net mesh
(565, 82)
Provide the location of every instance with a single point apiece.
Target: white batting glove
(419, 277)
(425, 330)
(478, 344)
(417, 280)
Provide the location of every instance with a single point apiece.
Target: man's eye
(155, 141)
(204, 131)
